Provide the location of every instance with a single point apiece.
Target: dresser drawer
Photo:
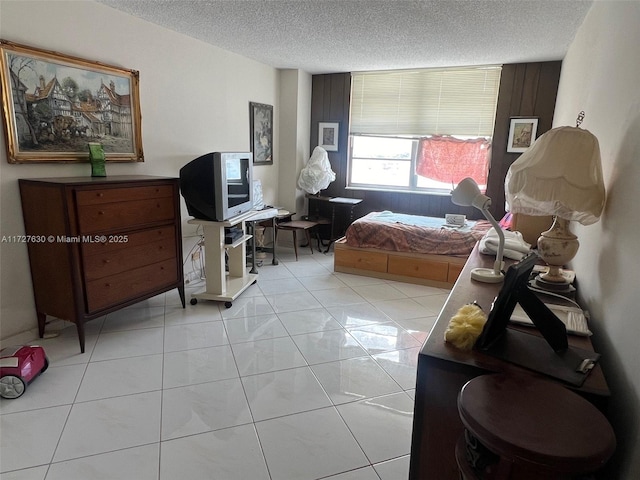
(122, 194)
(421, 268)
(133, 255)
(127, 285)
(374, 261)
(120, 215)
(116, 241)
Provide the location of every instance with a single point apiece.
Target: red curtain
(450, 160)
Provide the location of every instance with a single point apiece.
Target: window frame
(413, 176)
(413, 180)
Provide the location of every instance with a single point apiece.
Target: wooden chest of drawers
(100, 244)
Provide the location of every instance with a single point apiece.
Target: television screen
(218, 186)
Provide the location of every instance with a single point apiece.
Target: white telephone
(455, 220)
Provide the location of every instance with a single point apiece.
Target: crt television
(218, 186)
(550, 354)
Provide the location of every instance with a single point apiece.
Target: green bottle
(96, 156)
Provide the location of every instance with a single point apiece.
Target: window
(421, 130)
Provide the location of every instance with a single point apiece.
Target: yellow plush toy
(465, 327)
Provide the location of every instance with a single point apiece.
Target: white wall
(601, 75)
(194, 99)
(295, 122)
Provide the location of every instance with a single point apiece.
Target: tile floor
(309, 375)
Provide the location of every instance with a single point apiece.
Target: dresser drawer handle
(100, 194)
(100, 212)
(108, 285)
(105, 261)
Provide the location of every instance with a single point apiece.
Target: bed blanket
(412, 233)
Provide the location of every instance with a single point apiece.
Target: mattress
(412, 233)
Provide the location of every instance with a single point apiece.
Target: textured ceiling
(324, 36)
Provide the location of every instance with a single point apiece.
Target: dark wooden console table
(323, 210)
(443, 370)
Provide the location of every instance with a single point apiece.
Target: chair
(296, 225)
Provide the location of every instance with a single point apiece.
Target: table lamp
(559, 175)
(467, 194)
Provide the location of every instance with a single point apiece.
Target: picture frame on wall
(261, 128)
(522, 134)
(54, 105)
(328, 136)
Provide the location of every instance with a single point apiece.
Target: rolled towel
(514, 245)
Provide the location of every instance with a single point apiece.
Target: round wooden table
(525, 428)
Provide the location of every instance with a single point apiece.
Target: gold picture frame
(54, 105)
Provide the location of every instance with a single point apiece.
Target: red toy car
(18, 367)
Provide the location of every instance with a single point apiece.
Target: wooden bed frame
(420, 268)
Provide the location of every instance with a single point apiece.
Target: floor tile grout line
(310, 290)
(162, 390)
(66, 421)
(335, 475)
(246, 397)
(99, 454)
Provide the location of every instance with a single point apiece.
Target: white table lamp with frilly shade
(559, 175)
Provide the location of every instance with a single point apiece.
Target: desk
(259, 216)
(268, 217)
(443, 370)
(320, 206)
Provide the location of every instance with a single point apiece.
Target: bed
(407, 248)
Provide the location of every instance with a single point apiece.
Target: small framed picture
(522, 134)
(328, 136)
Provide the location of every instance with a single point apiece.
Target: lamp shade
(561, 175)
(467, 194)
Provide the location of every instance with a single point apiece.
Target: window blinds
(451, 101)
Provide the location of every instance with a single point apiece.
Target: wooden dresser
(98, 244)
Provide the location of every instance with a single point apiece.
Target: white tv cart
(220, 285)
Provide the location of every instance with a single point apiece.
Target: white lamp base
(487, 275)
(557, 246)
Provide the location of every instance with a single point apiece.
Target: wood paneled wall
(526, 90)
(330, 97)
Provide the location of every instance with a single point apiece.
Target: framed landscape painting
(54, 105)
